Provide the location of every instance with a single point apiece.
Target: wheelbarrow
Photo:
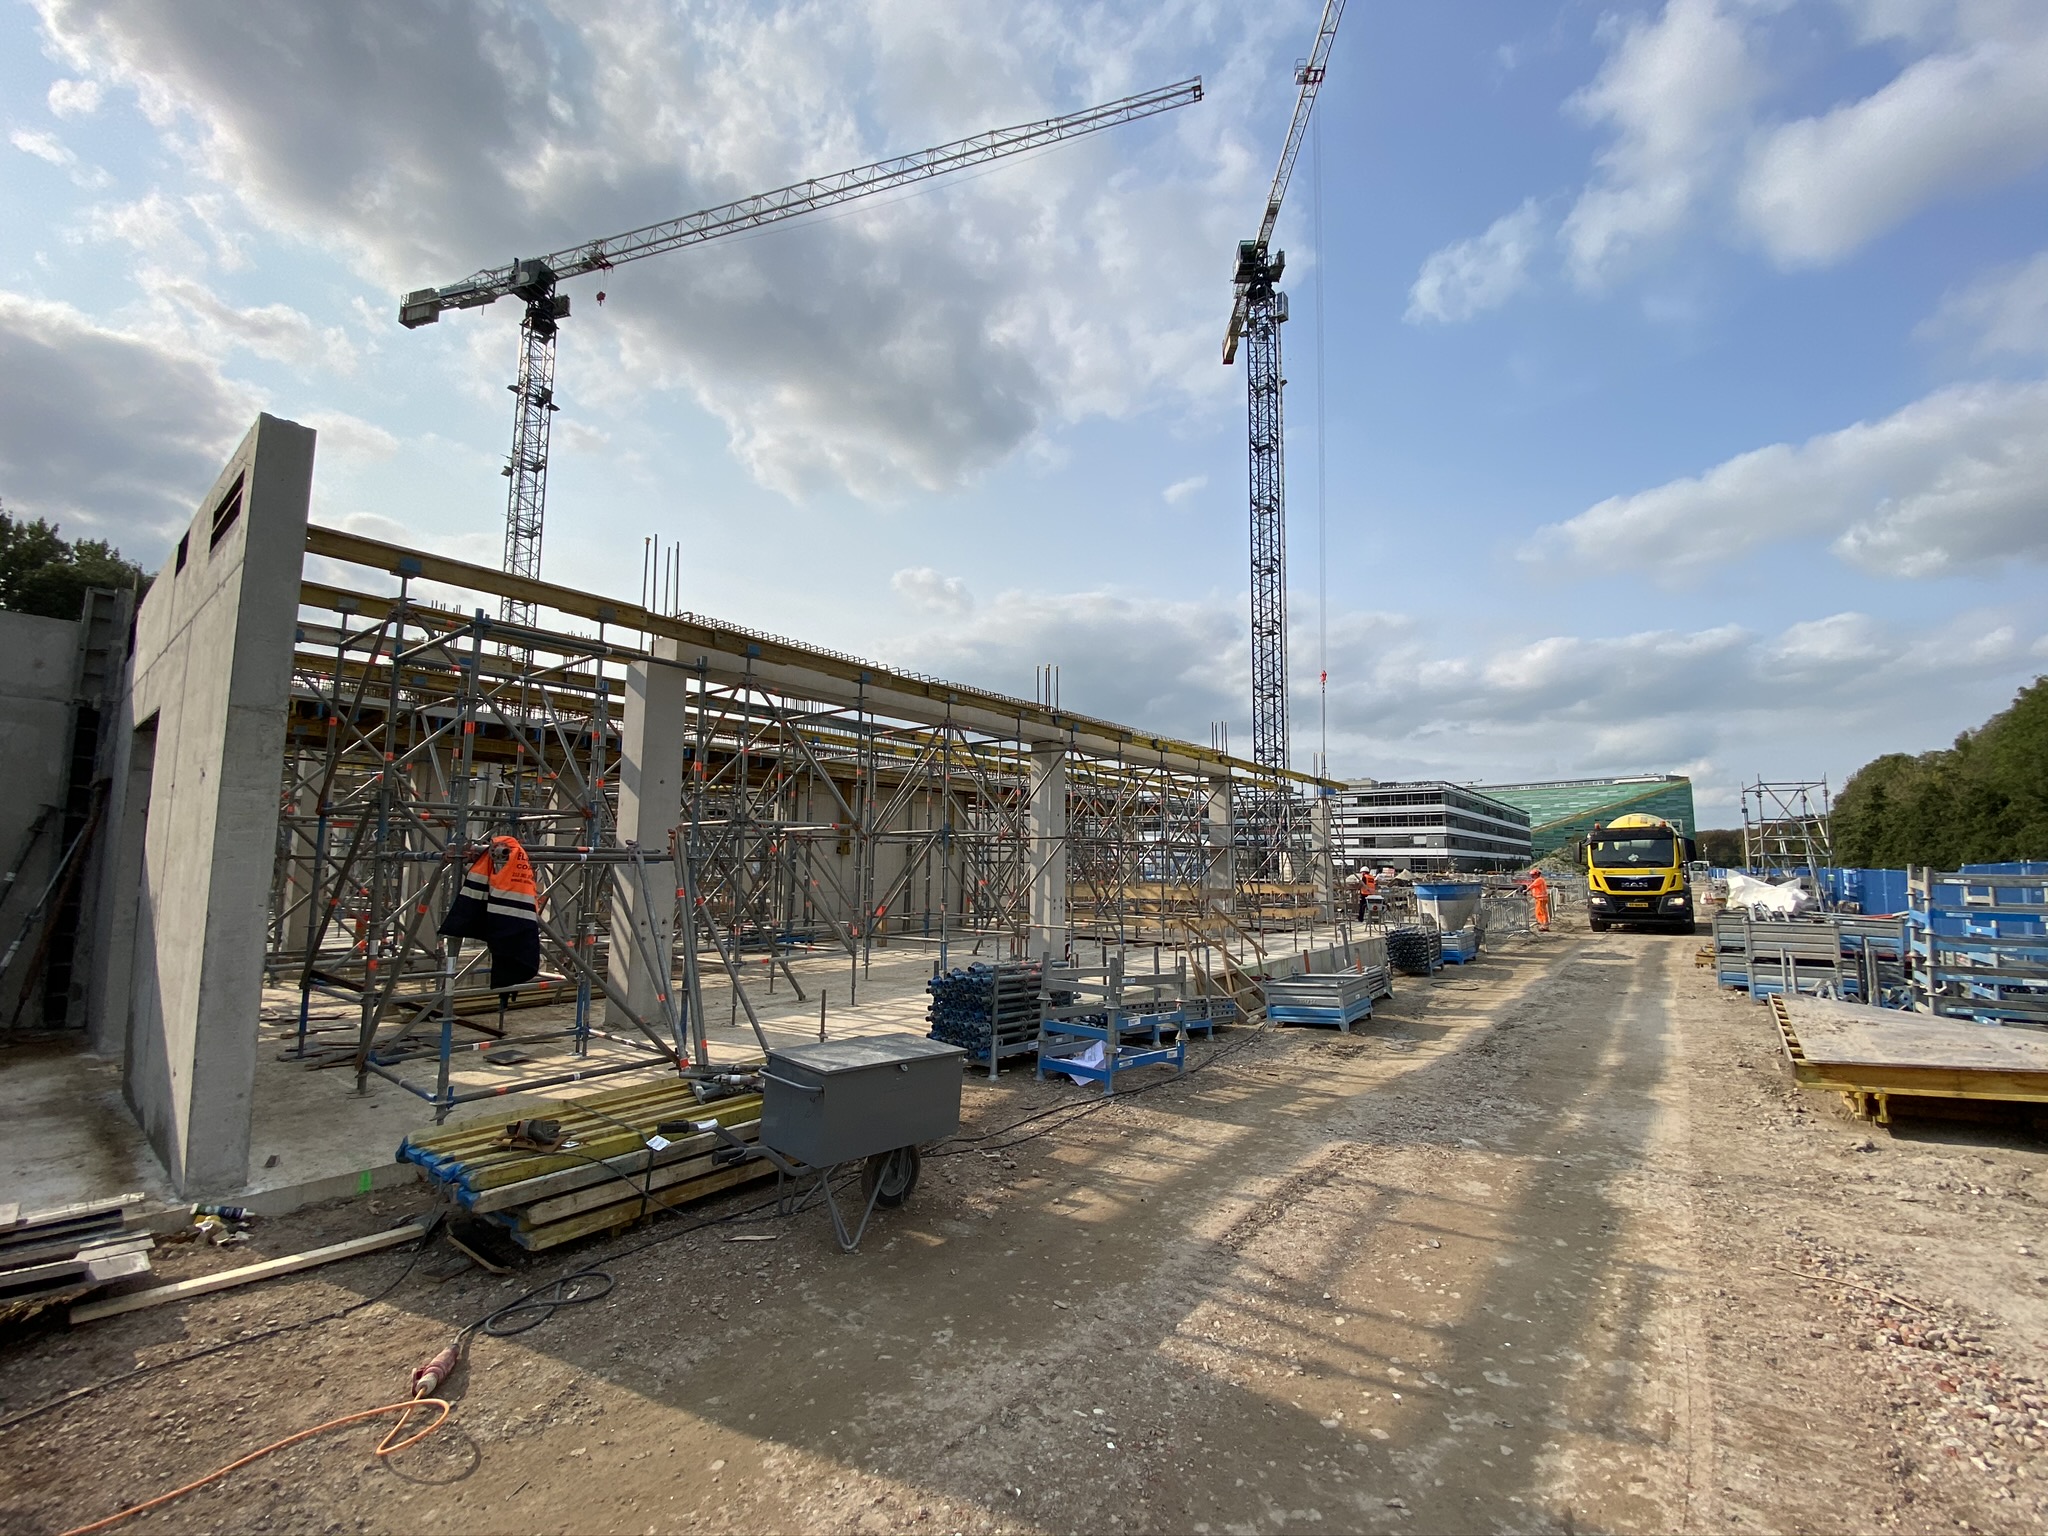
(872, 1100)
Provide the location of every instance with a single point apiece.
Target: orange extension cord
(388, 1446)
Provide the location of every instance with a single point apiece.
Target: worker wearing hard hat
(1368, 887)
(1539, 893)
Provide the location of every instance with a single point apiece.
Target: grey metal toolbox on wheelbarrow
(872, 1100)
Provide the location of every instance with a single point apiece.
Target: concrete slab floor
(65, 1133)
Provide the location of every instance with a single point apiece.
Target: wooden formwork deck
(1874, 1055)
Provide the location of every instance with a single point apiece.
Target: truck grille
(1635, 882)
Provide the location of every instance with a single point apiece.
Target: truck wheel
(887, 1178)
(1597, 924)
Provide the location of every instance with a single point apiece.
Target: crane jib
(423, 307)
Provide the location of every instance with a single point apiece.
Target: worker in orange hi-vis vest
(1368, 887)
(499, 902)
(1539, 892)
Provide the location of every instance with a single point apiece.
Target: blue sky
(1686, 363)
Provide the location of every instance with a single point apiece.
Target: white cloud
(349, 437)
(1957, 480)
(1677, 94)
(1180, 490)
(1819, 696)
(107, 430)
(922, 587)
(1168, 665)
(1471, 276)
(2003, 311)
(274, 331)
(74, 98)
(152, 225)
(51, 150)
(909, 343)
(1949, 124)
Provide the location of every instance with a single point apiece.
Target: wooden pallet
(1872, 1056)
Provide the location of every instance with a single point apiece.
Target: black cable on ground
(535, 1300)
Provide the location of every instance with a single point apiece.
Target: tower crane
(536, 280)
(1256, 318)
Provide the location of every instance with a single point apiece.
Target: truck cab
(1636, 875)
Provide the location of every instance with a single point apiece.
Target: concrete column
(192, 812)
(651, 745)
(1048, 829)
(1323, 868)
(1219, 880)
(299, 847)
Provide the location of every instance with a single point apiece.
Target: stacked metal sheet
(1341, 998)
(60, 1255)
(1415, 951)
(1731, 949)
(613, 1167)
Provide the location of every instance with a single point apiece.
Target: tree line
(1983, 800)
(43, 573)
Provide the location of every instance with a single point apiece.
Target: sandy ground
(1554, 1245)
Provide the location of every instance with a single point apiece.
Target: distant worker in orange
(1368, 888)
(1539, 892)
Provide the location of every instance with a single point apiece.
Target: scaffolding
(813, 818)
(1785, 828)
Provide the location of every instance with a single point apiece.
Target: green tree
(1720, 847)
(1984, 800)
(42, 573)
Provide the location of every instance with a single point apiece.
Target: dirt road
(1553, 1245)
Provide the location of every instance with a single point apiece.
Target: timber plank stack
(609, 1173)
(55, 1256)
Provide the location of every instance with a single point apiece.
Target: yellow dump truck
(1635, 875)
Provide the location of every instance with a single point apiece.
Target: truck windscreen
(1653, 851)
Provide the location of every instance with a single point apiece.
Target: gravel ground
(1554, 1244)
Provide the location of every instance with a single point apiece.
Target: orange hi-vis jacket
(499, 903)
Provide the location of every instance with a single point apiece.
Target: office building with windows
(1427, 827)
(1562, 809)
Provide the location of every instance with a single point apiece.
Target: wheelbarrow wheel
(887, 1178)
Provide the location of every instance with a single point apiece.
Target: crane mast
(1259, 310)
(535, 280)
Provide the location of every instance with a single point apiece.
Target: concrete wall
(197, 749)
(41, 663)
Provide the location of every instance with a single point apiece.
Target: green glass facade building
(1567, 808)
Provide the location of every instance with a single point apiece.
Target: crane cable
(1315, 162)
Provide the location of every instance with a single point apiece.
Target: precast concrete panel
(193, 811)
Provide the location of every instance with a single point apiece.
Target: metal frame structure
(1785, 828)
(815, 816)
(1257, 313)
